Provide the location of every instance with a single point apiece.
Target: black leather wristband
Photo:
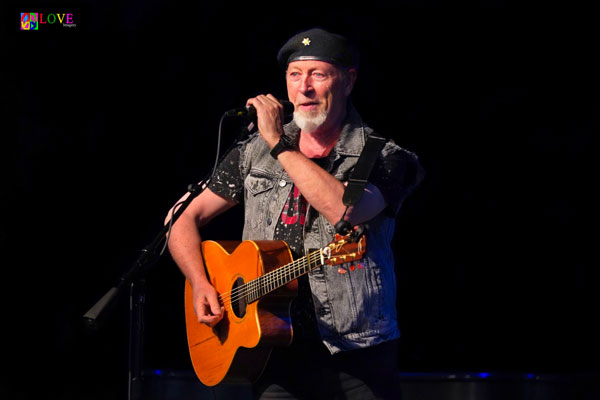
(285, 143)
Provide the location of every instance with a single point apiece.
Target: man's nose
(306, 84)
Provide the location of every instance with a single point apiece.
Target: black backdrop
(104, 124)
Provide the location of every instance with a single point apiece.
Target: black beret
(318, 44)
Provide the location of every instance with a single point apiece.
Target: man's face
(319, 91)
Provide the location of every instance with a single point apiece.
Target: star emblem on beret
(306, 41)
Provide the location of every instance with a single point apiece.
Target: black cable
(206, 181)
(218, 146)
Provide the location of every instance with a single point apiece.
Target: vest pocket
(259, 187)
(257, 184)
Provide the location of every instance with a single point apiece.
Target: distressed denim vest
(354, 309)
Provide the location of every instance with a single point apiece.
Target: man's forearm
(185, 246)
(319, 188)
(324, 192)
(185, 242)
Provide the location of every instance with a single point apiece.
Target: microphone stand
(134, 279)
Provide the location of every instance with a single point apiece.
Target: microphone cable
(203, 184)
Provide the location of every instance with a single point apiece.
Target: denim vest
(354, 309)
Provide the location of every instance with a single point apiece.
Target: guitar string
(262, 285)
(266, 281)
(256, 288)
(271, 280)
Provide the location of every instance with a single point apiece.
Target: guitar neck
(259, 287)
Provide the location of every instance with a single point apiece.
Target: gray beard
(309, 123)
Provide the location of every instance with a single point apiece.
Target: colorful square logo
(29, 21)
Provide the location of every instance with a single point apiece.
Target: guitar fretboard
(264, 284)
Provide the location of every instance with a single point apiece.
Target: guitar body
(238, 347)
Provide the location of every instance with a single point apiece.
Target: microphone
(249, 112)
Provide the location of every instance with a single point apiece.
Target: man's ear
(351, 75)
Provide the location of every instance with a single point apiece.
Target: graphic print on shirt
(294, 209)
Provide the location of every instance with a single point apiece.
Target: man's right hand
(209, 310)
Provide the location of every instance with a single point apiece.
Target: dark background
(105, 124)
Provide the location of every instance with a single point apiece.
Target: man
(292, 181)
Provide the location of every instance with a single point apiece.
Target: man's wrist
(285, 143)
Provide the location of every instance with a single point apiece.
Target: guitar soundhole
(238, 300)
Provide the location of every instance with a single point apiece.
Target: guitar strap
(359, 178)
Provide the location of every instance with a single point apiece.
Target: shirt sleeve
(227, 180)
(396, 174)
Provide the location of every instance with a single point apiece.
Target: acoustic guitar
(256, 282)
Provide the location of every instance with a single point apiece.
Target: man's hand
(269, 113)
(208, 309)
